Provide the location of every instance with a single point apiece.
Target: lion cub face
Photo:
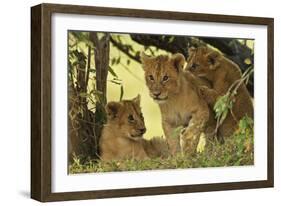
(202, 61)
(127, 117)
(162, 75)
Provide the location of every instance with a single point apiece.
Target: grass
(236, 151)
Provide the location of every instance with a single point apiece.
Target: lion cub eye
(194, 66)
(211, 61)
(151, 78)
(131, 118)
(165, 78)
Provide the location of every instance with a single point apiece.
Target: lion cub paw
(201, 144)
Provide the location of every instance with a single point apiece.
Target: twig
(88, 66)
(121, 48)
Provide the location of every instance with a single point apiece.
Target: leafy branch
(125, 49)
(225, 103)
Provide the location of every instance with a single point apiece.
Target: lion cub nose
(156, 94)
(142, 130)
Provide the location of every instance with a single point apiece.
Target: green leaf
(121, 92)
(176, 131)
(115, 82)
(111, 71)
(222, 105)
(171, 39)
(113, 61)
(119, 38)
(84, 94)
(92, 70)
(138, 54)
(223, 116)
(131, 48)
(118, 60)
(248, 61)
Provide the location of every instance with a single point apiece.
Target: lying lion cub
(121, 136)
(180, 103)
(221, 72)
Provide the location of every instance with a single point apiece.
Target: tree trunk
(102, 47)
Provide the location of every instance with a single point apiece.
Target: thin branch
(124, 50)
(88, 66)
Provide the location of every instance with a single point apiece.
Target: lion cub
(180, 103)
(121, 136)
(221, 72)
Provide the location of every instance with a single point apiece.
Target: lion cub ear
(178, 61)
(112, 109)
(145, 59)
(191, 50)
(213, 58)
(137, 99)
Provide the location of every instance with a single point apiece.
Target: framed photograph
(130, 102)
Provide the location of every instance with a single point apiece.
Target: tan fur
(156, 147)
(221, 72)
(122, 137)
(177, 95)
